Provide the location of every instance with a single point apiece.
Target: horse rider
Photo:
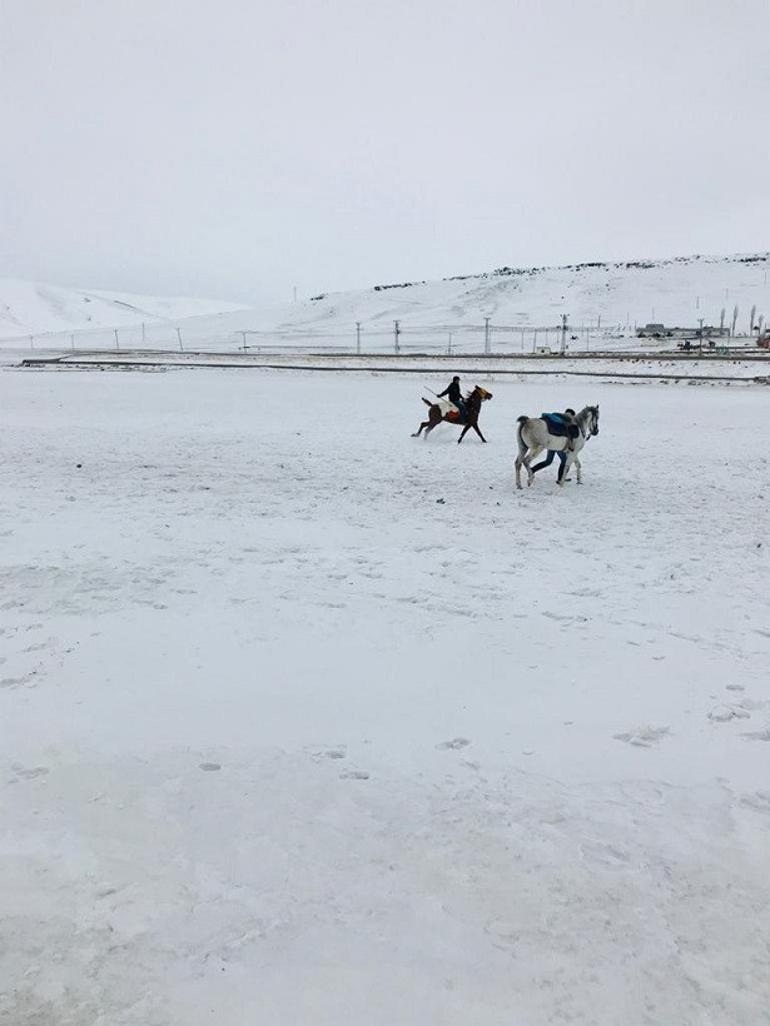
(454, 395)
(566, 418)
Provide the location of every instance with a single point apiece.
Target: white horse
(534, 436)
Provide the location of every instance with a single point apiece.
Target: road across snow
(305, 721)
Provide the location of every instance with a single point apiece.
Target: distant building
(654, 331)
(661, 331)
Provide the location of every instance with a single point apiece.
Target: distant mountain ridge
(30, 308)
(675, 291)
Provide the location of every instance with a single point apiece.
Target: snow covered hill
(28, 307)
(607, 298)
(678, 291)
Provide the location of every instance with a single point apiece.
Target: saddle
(454, 416)
(557, 425)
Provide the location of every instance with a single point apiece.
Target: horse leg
(530, 455)
(432, 421)
(418, 432)
(523, 460)
(577, 470)
(477, 429)
(533, 453)
(517, 464)
(431, 424)
(463, 433)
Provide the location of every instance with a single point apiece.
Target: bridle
(590, 418)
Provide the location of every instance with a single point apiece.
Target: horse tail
(521, 421)
(428, 402)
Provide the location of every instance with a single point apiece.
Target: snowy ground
(751, 367)
(288, 740)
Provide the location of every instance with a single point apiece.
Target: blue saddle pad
(557, 425)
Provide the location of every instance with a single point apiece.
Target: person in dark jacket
(454, 395)
(567, 417)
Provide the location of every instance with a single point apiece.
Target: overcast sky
(239, 148)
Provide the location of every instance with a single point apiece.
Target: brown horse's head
(482, 393)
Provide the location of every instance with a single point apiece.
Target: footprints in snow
(757, 735)
(724, 712)
(28, 773)
(643, 737)
(336, 753)
(455, 744)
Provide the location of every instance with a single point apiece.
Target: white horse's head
(589, 420)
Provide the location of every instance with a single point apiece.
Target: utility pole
(117, 340)
(563, 334)
(179, 336)
(144, 333)
(72, 342)
(396, 333)
(700, 333)
(486, 336)
(358, 338)
(243, 336)
(735, 319)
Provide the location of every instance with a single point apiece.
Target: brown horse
(437, 413)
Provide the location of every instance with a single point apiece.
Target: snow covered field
(307, 722)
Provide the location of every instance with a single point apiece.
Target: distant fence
(398, 337)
